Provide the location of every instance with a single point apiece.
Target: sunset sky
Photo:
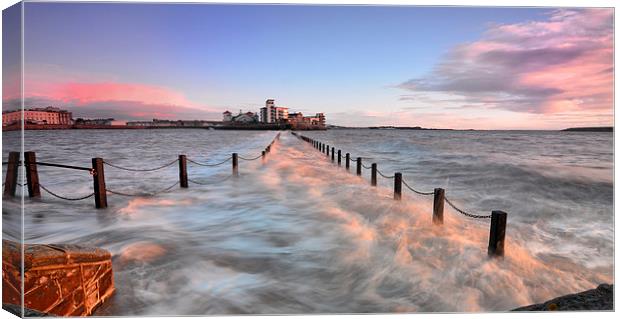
(447, 67)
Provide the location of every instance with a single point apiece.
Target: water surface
(298, 234)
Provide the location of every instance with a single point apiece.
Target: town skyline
(476, 68)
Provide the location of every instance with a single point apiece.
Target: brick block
(63, 280)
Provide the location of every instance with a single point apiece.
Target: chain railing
(416, 191)
(66, 197)
(498, 218)
(464, 212)
(209, 164)
(100, 190)
(140, 169)
(143, 194)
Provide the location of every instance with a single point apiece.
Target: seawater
(299, 234)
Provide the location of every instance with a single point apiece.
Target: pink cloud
(84, 93)
(107, 97)
(561, 64)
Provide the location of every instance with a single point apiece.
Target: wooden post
(497, 233)
(348, 158)
(438, 202)
(333, 154)
(398, 185)
(183, 171)
(373, 174)
(339, 157)
(101, 197)
(235, 163)
(32, 176)
(359, 166)
(12, 173)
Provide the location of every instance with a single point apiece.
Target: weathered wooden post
(398, 185)
(438, 201)
(183, 171)
(497, 233)
(347, 159)
(339, 157)
(12, 170)
(359, 166)
(235, 163)
(373, 174)
(333, 153)
(32, 176)
(101, 196)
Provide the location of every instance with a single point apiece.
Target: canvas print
(177, 159)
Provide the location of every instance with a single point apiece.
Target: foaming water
(298, 234)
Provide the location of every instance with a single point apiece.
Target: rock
(17, 310)
(63, 280)
(601, 298)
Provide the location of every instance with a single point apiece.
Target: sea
(297, 233)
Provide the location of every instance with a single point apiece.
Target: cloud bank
(562, 64)
(105, 97)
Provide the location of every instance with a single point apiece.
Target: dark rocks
(601, 298)
(17, 310)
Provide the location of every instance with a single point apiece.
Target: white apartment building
(273, 114)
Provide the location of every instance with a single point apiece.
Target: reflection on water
(298, 234)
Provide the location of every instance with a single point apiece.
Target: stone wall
(64, 280)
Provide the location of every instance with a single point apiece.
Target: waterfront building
(46, 116)
(171, 123)
(247, 117)
(298, 121)
(81, 121)
(273, 114)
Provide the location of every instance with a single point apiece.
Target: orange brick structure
(63, 280)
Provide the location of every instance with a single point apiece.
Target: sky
(435, 67)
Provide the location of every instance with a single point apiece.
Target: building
(46, 116)
(247, 117)
(170, 123)
(226, 116)
(81, 121)
(298, 121)
(273, 114)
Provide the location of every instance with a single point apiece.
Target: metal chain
(210, 183)
(144, 194)
(139, 169)
(64, 197)
(415, 191)
(251, 159)
(463, 212)
(384, 176)
(209, 165)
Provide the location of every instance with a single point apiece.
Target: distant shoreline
(276, 127)
(590, 129)
(418, 128)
